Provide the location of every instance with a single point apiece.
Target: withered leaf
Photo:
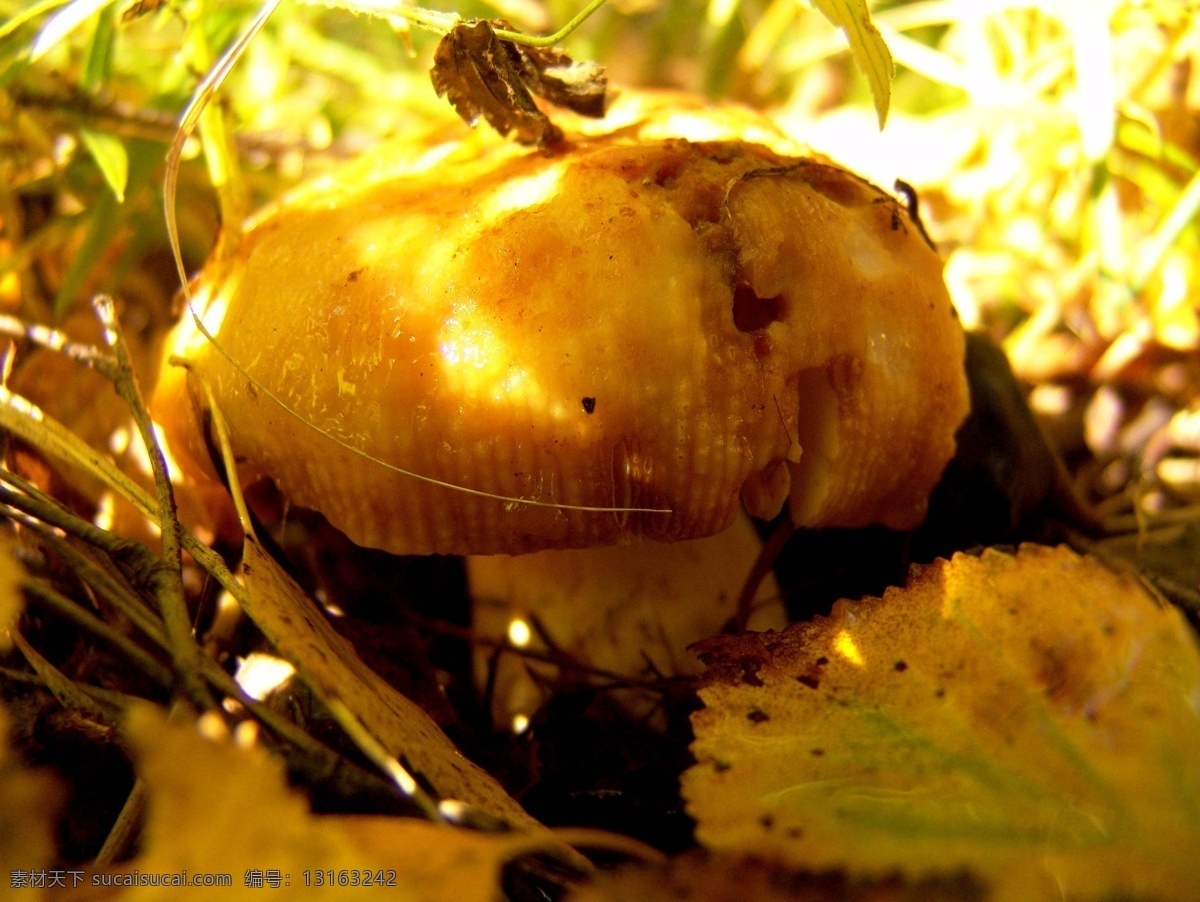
(305, 639)
(219, 804)
(578, 86)
(1028, 718)
(482, 76)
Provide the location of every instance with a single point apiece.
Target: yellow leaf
(217, 809)
(27, 804)
(697, 877)
(1033, 719)
(27, 800)
(111, 158)
(11, 573)
(867, 46)
(301, 635)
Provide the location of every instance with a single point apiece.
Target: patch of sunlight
(844, 645)
(521, 193)
(519, 633)
(261, 674)
(479, 363)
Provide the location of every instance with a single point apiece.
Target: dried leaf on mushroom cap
(482, 75)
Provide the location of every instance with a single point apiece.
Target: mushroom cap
(660, 314)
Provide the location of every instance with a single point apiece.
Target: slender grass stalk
(68, 610)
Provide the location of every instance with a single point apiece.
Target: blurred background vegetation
(1054, 147)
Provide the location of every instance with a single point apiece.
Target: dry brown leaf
(301, 635)
(1034, 719)
(216, 808)
(480, 75)
(577, 85)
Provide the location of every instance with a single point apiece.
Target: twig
(113, 115)
(103, 697)
(318, 760)
(123, 831)
(166, 579)
(30, 500)
(77, 616)
(387, 763)
(31, 424)
(68, 694)
(555, 656)
(763, 564)
(54, 340)
(111, 587)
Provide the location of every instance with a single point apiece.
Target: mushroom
(616, 341)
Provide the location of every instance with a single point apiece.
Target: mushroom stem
(630, 609)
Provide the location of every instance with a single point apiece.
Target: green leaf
(109, 153)
(62, 24)
(98, 60)
(867, 45)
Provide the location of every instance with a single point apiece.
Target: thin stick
(123, 831)
(366, 742)
(74, 614)
(166, 579)
(53, 340)
(763, 564)
(111, 586)
(68, 694)
(441, 22)
(30, 423)
(109, 697)
(29, 500)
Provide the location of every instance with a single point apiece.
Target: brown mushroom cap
(633, 321)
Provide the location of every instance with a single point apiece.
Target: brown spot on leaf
(733, 659)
